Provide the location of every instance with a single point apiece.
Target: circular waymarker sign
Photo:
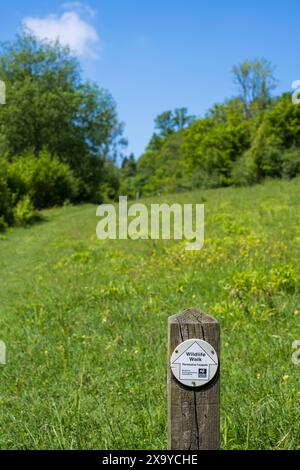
(194, 363)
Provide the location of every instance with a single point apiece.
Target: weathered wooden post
(193, 381)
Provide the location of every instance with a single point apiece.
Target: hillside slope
(85, 324)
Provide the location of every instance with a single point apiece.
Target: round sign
(194, 363)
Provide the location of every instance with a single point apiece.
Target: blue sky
(157, 55)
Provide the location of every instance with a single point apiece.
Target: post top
(192, 315)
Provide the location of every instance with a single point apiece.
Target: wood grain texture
(193, 414)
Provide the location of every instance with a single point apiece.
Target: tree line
(241, 141)
(61, 139)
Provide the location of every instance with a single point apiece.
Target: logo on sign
(202, 373)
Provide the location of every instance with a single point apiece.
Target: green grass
(85, 324)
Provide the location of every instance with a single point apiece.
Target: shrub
(6, 198)
(244, 170)
(3, 224)
(46, 180)
(266, 152)
(29, 182)
(52, 182)
(24, 212)
(291, 163)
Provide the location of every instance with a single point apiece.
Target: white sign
(2, 353)
(194, 363)
(2, 92)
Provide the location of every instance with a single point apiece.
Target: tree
(173, 121)
(160, 170)
(255, 81)
(181, 118)
(275, 148)
(129, 166)
(50, 107)
(211, 147)
(164, 123)
(168, 123)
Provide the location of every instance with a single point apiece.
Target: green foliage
(109, 189)
(244, 171)
(24, 212)
(129, 166)
(291, 163)
(3, 224)
(51, 182)
(228, 146)
(275, 145)
(255, 82)
(6, 198)
(217, 149)
(203, 154)
(160, 171)
(51, 109)
(171, 121)
(46, 180)
(32, 182)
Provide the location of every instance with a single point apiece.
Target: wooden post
(193, 414)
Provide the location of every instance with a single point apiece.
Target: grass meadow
(85, 324)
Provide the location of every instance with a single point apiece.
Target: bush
(291, 163)
(271, 163)
(3, 224)
(46, 180)
(244, 171)
(29, 182)
(52, 182)
(24, 213)
(6, 198)
(266, 152)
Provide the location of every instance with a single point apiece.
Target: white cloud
(81, 8)
(70, 28)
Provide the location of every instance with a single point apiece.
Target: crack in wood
(196, 421)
